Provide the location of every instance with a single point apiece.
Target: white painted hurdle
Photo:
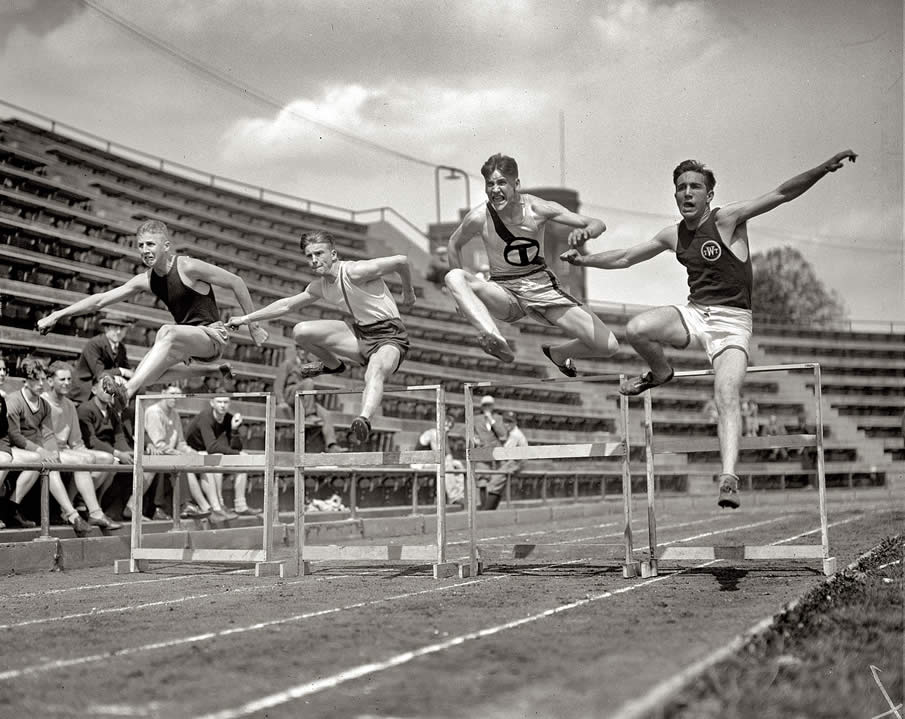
(653, 448)
(303, 553)
(140, 555)
(630, 566)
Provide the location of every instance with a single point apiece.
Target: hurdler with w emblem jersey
(511, 225)
(712, 244)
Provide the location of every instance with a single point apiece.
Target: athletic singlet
(365, 307)
(187, 306)
(715, 275)
(514, 252)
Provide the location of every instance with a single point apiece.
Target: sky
(354, 103)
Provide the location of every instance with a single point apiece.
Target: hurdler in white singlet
(364, 306)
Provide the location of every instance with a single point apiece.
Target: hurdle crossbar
(631, 567)
(139, 555)
(304, 553)
(655, 447)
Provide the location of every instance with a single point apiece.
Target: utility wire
(217, 76)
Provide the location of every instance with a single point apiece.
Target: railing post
(45, 507)
(508, 490)
(353, 496)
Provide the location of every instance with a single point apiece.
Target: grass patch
(815, 661)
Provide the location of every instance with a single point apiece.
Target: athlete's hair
(505, 164)
(695, 166)
(152, 227)
(32, 368)
(314, 238)
(58, 365)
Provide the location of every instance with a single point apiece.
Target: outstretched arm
(622, 258)
(585, 228)
(739, 212)
(369, 270)
(275, 309)
(95, 302)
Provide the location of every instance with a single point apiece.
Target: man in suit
(489, 432)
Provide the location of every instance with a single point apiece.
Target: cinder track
(532, 638)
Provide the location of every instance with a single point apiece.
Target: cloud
(34, 17)
(423, 120)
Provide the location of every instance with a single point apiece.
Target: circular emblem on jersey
(711, 250)
(521, 251)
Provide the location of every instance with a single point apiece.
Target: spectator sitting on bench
(31, 433)
(105, 352)
(102, 430)
(214, 430)
(164, 435)
(72, 448)
(290, 379)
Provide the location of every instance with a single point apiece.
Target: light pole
(454, 173)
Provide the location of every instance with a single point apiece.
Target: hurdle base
(829, 566)
(471, 569)
(630, 570)
(649, 569)
(124, 566)
(277, 568)
(445, 570)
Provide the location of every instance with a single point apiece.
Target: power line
(783, 235)
(209, 72)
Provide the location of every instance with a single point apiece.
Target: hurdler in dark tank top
(187, 306)
(715, 275)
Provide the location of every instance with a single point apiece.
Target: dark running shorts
(384, 332)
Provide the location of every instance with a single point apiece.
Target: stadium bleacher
(68, 211)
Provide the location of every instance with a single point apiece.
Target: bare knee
(456, 279)
(636, 330)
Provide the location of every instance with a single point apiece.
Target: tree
(787, 290)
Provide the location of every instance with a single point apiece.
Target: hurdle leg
(649, 567)
(829, 563)
(631, 568)
(474, 567)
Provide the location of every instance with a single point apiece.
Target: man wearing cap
(489, 432)
(514, 438)
(105, 352)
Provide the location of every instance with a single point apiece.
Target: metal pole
(45, 507)
(626, 481)
(441, 476)
(269, 494)
(821, 467)
(137, 483)
(651, 484)
(470, 489)
(299, 494)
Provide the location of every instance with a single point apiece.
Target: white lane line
(207, 636)
(164, 602)
(62, 663)
(660, 693)
(308, 688)
(302, 690)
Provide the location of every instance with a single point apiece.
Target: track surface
(542, 637)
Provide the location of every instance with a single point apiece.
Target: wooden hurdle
(139, 555)
(304, 553)
(630, 567)
(652, 447)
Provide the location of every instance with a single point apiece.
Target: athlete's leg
(650, 330)
(480, 302)
(591, 337)
(381, 365)
(729, 375)
(173, 344)
(331, 341)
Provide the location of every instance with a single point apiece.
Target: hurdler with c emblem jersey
(712, 245)
(511, 225)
